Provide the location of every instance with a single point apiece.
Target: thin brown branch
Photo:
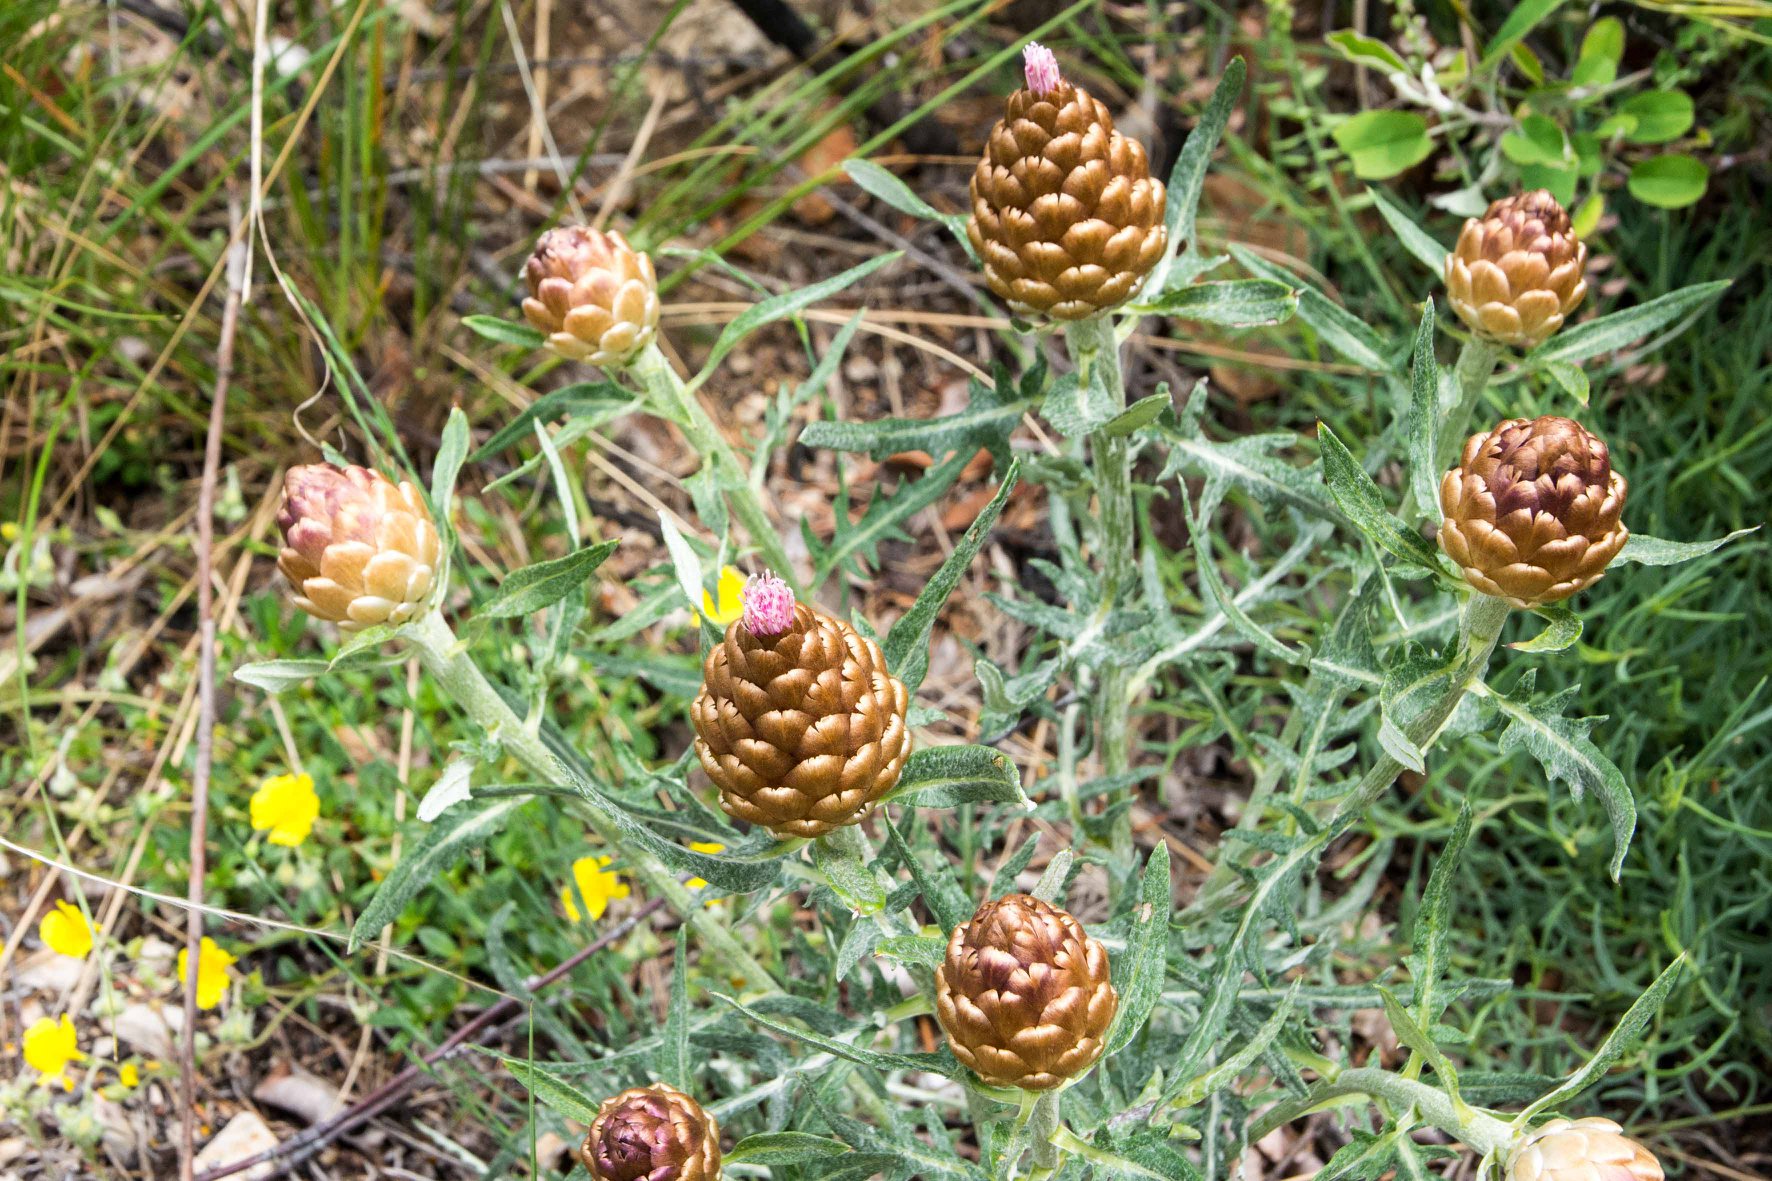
(224, 366)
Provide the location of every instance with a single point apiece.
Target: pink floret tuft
(1041, 67)
(768, 605)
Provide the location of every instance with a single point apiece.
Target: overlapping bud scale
(1024, 994)
(1590, 1149)
(1518, 271)
(358, 549)
(1066, 216)
(594, 296)
(1531, 512)
(798, 722)
(654, 1133)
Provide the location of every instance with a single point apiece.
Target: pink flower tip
(1041, 68)
(768, 605)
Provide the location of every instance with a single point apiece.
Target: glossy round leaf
(1669, 182)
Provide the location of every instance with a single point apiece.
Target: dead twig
(224, 365)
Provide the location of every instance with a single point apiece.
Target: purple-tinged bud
(1041, 68)
(768, 605)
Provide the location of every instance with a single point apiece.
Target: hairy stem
(1095, 350)
(446, 660)
(674, 401)
(1480, 1131)
(1475, 365)
(1043, 1124)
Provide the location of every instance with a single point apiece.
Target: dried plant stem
(446, 660)
(673, 400)
(224, 367)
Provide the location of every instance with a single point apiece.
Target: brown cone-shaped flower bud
(654, 1133)
(594, 295)
(1518, 271)
(1532, 510)
(1024, 994)
(1581, 1150)
(798, 722)
(358, 548)
(1065, 214)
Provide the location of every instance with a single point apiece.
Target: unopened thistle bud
(654, 1133)
(1532, 510)
(359, 549)
(1024, 994)
(798, 723)
(1518, 271)
(1581, 1150)
(595, 296)
(1065, 214)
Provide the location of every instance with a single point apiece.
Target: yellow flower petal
(212, 972)
(288, 807)
(129, 1075)
(730, 604)
(596, 885)
(703, 847)
(51, 1045)
(66, 931)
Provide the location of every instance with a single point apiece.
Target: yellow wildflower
(596, 885)
(66, 931)
(8, 531)
(287, 805)
(703, 847)
(129, 1075)
(730, 604)
(50, 1047)
(212, 972)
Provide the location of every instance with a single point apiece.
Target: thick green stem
(1095, 349)
(1482, 1132)
(674, 401)
(1476, 364)
(464, 683)
(1043, 1124)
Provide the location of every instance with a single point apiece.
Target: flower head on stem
(768, 605)
(1041, 68)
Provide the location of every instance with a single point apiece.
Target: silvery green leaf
(684, 562)
(526, 591)
(1570, 377)
(1424, 418)
(1232, 303)
(435, 852)
(920, 951)
(1415, 240)
(941, 892)
(1188, 177)
(948, 776)
(1434, 920)
(1562, 628)
(780, 307)
(1617, 329)
(907, 643)
(778, 1149)
(1655, 551)
(1140, 983)
(1221, 598)
(1247, 463)
(942, 1064)
(675, 1065)
(450, 453)
(884, 519)
(992, 412)
(854, 881)
(1078, 403)
(554, 1092)
(1140, 413)
(451, 788)
(1344, 332)
(592, 403)
(275, 676)
(1619, 1042)
(1563, 749)
(886, 186)
(1411, 1034)
(1054, 878)
(1361, 500)
(504, 331)
(1187, 1092)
